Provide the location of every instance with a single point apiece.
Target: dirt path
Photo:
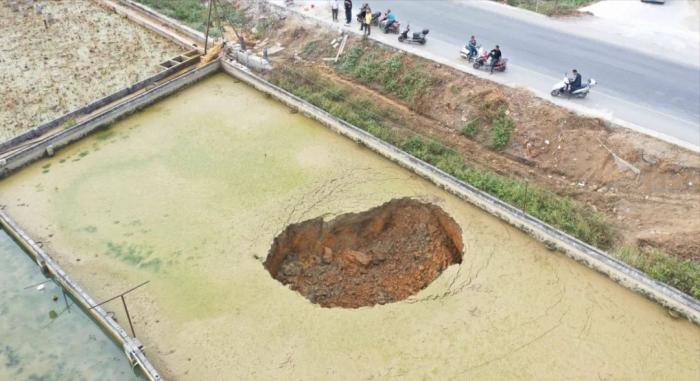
(84, 54)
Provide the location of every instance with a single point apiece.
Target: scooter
(375, 18)
(415, 38)
(561, 89)
(394, 28)
(464, 53)
(482, 62)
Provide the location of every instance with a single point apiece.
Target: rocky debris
(379, 256)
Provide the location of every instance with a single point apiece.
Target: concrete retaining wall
(42, 129)
(131, 346)
(590, 256)
(46, 147)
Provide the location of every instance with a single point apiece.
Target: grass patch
(194, 13)
(501, 129)
(550, 7)
(310, 47)
(683, 274)
(391, 74)
(471, 128)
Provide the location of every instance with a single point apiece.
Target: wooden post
(206, 35)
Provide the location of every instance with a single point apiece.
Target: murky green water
(189, 195)
(42, 339)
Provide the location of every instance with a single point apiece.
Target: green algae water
(43, 339)
(190, 194)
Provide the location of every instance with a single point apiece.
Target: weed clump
(470, 128)
(683, 274)
(501, 130)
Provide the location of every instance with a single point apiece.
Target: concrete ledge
(131, 346)
(42, 129)
(50, 145)
(593, 258)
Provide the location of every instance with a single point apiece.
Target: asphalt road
(653, 93)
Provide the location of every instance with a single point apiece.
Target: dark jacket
(576, 84)
(348, 4)
(495, 54)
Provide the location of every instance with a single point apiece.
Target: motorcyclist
(390, 20)
(495, 55)
(574, 81)
(471, 45)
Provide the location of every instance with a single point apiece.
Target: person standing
(334, 10)
(348, 11)
(368, 20)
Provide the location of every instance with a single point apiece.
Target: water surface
(190, 193)
(44, 336)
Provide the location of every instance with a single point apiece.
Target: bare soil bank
(382, 255)
(85, 53)
(649, 190)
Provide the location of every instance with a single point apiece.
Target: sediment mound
(379, 256)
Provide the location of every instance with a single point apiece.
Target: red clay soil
(379, 256)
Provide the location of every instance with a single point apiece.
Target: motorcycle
(464, 53)
(482, 62)
(394, 28)
(415, 38)
(562, 88)
(375, 18)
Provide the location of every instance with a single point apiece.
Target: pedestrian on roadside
(348, 11)
(334, 9)
(368, 20)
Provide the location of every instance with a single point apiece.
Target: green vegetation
(310, 47)
(550, 7)
(683, 274)
(501, 130)
(390, 74)
(194, 13)
(558, 211)
(470, 129)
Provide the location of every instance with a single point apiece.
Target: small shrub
(310, 47)
(501, 130)
(349, 61)
(470, 128)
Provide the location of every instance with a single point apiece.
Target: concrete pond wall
(189, 194)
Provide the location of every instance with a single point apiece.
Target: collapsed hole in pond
(379, 256)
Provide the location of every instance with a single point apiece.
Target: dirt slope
(648, 189)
